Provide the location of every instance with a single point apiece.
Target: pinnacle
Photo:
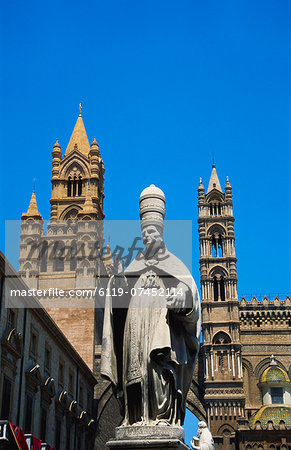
(57, 144)
(32, 212)
(89, 207)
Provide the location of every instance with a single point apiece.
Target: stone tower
(224, 396)
(70, 175)
(65, 257)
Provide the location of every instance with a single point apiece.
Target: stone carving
(150, 344)
(205, 440)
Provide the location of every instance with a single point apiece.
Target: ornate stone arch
(214, 196)
(221, 335)
(216, 228)
(218, 270)
(225, 428)
(248, 366)
(68, 213)
(263, 364)
(75, 162)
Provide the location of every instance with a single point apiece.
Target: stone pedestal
(148, 437)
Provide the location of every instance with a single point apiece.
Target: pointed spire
(32, 212)
(214, 181)
(79, 137)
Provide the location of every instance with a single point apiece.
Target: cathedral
(241, 386)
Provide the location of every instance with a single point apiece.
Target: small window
(58, 434)
(47, 358)
(277, 395)
(6, 398)
(33, 343)
(11, 319)
(69, 187)
(81, 395)
(28, 414)
(43, 422)
(71, 382)
(80, 186)
(61, 373)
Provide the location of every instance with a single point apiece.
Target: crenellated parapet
(265, 313)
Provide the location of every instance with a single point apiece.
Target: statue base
(148, 437)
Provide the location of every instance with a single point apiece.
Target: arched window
(221, 338)
(215, 208)
(80, 186)
(220, 248)
(217, 248)
(71, 214)
(215, 289)
(222, 289)
(218, 288)
(214, 246)
(59, 256)
(69, 187)
(75, 186)
(43, 256)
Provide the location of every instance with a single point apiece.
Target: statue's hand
(176, 300)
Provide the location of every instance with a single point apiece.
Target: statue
(205, 440)
(151, 332)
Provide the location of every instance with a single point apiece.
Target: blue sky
(164, 85)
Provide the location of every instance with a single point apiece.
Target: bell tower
(224, 396)
(70, 175)
(63, 254)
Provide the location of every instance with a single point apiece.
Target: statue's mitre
(152, 203)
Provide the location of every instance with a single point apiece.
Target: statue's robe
(148, 350)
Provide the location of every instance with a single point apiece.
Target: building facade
(246, 345)
(46, 388)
